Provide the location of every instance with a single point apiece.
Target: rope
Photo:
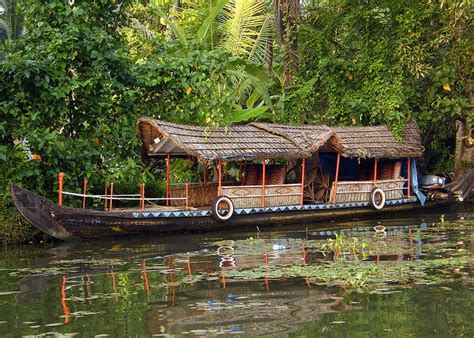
(123, 197)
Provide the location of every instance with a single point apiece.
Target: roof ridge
(264, 127)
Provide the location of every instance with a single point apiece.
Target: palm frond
(247, 28)
(194, 19)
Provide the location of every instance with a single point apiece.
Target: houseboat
(248, 175)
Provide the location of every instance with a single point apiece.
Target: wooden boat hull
(67, 223)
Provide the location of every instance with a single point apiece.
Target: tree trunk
(464, 155)
(287, 13)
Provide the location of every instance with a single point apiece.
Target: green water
(416, 279)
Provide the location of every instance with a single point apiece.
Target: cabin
(264, 165)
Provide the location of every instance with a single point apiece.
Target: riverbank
(14, 229)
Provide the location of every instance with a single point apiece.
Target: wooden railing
(248, 196)
(359, 191)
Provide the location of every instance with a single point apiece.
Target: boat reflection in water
(251, 307)
(204, 285)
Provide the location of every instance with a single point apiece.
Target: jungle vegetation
(75, 75)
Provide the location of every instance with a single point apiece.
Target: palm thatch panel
(233, 143)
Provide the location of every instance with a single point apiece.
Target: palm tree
(10, 20)
(3, 23)
(242, 27)
(287, 13)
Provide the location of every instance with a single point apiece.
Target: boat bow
(38, 211)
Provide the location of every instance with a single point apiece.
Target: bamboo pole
(60, 188)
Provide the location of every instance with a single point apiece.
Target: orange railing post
(142, 196)
(375, 171)
(219, 169)
(105, 195)
(187, 195)
(303, 168)
(336, 178)
(204, 169)
(409, 176)
(60, 188)
(263, 182)
(111, 194)
(84, 193)
(168, 178)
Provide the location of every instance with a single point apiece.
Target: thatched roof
(378, 141)
(363, 142)
(308, 137)
(232, 143)
(274, 141)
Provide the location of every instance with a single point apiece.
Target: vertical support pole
(375, 171)
(303, 169)
(264, 178)
(60, 188)
(240, 173)
(111, 195)
(336, 178)
(168, 177)
(84, 193)
(187, 195)
(105, 195)
(204, 165)
(219, 170)
(142, 196)
(409, 176)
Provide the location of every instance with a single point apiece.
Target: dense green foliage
(72, 93)
(74, 84)
(372, 62)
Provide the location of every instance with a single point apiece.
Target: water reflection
(279, 309)
(246, 283)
